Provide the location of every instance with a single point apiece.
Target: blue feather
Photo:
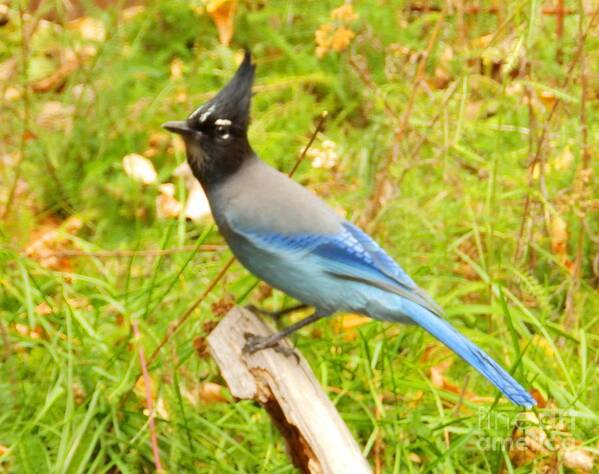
(475, 356)
(352, 256)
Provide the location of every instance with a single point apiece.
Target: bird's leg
(276, 315)
(257, 343)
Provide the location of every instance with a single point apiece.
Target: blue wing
(350, 255)
(353, 255)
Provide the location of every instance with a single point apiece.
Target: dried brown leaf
(222, 13)
(341, 39)
(348, 323)
(167, 207)
(50, 236)
(176, 68)
(43, 309)
(223, 305)
(211, 392)
(8, 69)
(201, 346)
(139, 168)
(55, 115)
(56, 81)
(4, 19)
(89, 28)
(558, 232)
(579, 459)
(344, 13)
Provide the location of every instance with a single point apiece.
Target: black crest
(232, 102)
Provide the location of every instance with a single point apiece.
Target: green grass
(451, 216)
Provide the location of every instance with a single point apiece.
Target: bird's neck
(213, 171)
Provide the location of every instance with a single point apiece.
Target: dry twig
(581, 179)
(538, 159)
(26, 109)
(317, 439)
(402, 122)
(149, 401)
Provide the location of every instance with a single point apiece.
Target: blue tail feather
(444, 332)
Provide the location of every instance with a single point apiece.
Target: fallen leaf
(131, 12)
(83, 92)
(56, 81)
(158, 143)
(558, 234)
(139, 168)
(140, 387)
(159, 140)
(564, 160)
(482, 41)
(89, 28)
(548, 443)
(12, 94)
(344, 13)
(579, 459)
(211, 392)
(223, 305)
(263, 291)
(36, 332)
(438, 371)
(209, 325)
(176, 68)
(51, 237)
(547, 98)
(201, 346)
(322, 38)
(167, 207)
(324, 156)
(222, 13)
(79, 393)
(197, 206)
(348, 323)
(341, 39)
(539, 398)
(55, 115)
(43, 309)
(8, 69)
(159, 409)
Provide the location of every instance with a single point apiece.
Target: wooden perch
(318, 441)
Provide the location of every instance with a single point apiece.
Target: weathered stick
(317, 439)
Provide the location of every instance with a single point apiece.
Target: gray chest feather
(260, 198)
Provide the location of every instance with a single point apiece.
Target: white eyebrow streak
(222, 122)
(204, 115)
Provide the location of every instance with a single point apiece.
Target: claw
(255, 343)
(287, 352)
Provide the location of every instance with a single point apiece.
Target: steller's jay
(290, 238)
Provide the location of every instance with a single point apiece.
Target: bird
(287, 236)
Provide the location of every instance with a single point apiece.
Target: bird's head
(215, 134)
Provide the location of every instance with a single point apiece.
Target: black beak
(177, 126)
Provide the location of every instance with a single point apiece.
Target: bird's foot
(255, 343)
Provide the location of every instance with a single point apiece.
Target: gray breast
(261, 198)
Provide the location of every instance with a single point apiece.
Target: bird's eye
(222, 131)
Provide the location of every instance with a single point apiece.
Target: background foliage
(463, 135)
